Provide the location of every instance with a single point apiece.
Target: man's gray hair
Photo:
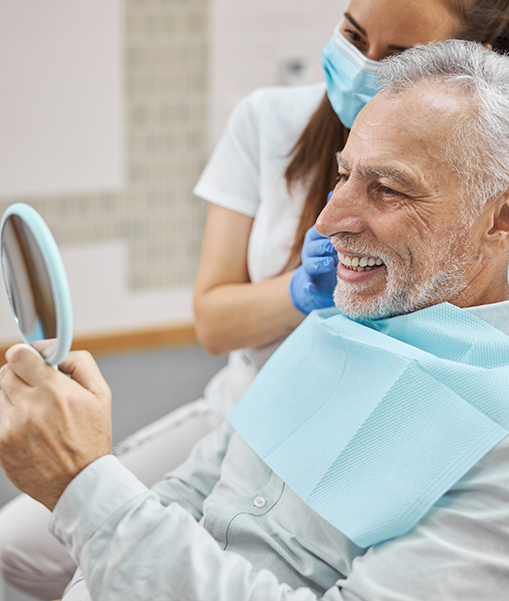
(478, 149)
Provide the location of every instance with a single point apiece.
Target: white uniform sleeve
(232, 174)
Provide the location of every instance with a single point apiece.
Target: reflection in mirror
(28, 282)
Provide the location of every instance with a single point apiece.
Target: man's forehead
(438, 95)
(404, 135)
(433, 107)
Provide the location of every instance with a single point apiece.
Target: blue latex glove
(313, 283)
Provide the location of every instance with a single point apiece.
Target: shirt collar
(496, 314)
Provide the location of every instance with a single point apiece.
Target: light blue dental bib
(370, 423)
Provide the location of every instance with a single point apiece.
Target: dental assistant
(266, 183)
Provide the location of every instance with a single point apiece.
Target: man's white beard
(442, 277)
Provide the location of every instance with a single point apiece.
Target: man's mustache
(355, 245)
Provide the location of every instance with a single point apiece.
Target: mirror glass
(27, 282)
(35, 282)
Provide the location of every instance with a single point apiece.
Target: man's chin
(382, 307)
(358, 308)
(367, 315)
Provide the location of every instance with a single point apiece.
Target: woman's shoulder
(282, 106)
(284, 96)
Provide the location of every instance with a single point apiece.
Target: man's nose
(341, 214)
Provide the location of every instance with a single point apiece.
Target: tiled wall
(165, 85)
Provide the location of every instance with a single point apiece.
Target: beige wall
(62, 96)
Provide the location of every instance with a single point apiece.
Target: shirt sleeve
(132, 546)
(232, 175)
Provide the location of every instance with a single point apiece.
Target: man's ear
(496, 237)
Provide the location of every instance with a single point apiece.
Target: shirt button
(259, 502)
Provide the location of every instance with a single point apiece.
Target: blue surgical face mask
(351, 77)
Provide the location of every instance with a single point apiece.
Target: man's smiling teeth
(360, 263)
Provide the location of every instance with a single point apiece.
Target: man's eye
(388, 191)
(341, 178)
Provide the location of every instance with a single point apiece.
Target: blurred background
(109, 110)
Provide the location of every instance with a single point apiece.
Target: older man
(370, 459)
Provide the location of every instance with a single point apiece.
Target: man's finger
(4, 401)
(27, 364)
(82, 368)
(45, 347)
(14, 387)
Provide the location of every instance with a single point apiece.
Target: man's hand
(51, 426)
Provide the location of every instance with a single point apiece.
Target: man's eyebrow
(355, 24)
(341, 162)
(394, 174)
(390, 172)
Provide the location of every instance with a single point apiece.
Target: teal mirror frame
(57, 276)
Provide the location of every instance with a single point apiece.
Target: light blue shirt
(223, 526)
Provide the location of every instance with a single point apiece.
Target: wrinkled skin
(51, 426)
(399, 201)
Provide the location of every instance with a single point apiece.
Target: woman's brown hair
(313, 158)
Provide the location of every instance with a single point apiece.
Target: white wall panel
(250, 41)
(61, 107)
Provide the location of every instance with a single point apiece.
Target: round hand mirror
(36, 284)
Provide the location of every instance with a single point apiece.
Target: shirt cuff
(92, 497)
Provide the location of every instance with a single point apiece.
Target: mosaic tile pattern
(165, 84)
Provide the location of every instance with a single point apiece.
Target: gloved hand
(313, 283)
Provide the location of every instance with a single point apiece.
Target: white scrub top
(246, 173)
